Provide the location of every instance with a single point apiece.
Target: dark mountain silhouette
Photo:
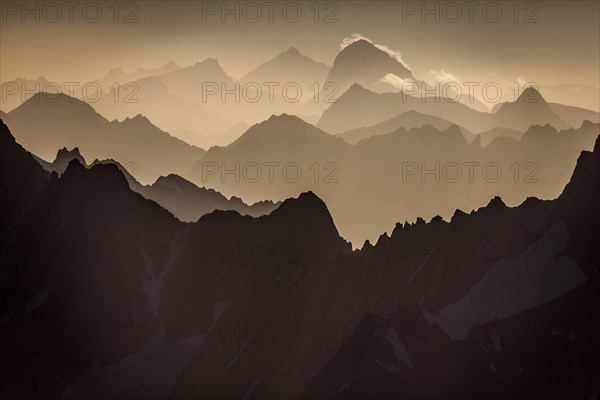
(189, 202)
(62, 160)
(404, 172)
(183, 199)
(289, 66)
(173, 281)
(46, 123)
(406, 120)
(543, 350)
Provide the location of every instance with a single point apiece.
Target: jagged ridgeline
(98, 281)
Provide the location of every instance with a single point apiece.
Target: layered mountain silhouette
(359, 107)
(183, 199)
(415, 353)
(16, 92)
(406, 173)
(581, 96)
(151, 97)
(361, 62)
(208, 141)
(118, 77)
(195, 296)
(46, 123)
(304, 231)
(290, 66)
(529, 109)
(406, 120)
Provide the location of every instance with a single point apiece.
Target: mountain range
(406, 173)
(105, 310)
(46, 123)
(182, 198)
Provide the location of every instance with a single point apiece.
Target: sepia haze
(330, 207)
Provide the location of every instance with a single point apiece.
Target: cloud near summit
(355, 37)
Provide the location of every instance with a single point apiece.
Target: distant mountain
(488, 136)
(404, 172)
(187, 82)
(529, 109)
(16, 92)
(583, 96)
(208, 141)
(359, 107)
(45, 124)
(85, 251)
(406, 120)
(208, 85)
(280, 137)
(363, 63)
(118, 77)
(472, 102)
(290, 67)
(150, 97)
(574, 116)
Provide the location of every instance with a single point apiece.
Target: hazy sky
(551, 42)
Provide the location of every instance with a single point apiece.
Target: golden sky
(551, 42)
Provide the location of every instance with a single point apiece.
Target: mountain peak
(55, 103)
(360, 43)
(171, 64)
(211, 62)
(281, 129)
(308, 213)
(364, 62)
(530, 95)
(116, 71)
(357, 88)
(292, 51)
(65, 154)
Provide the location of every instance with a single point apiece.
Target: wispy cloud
(396, 81)
(443, 76)
(355, 37)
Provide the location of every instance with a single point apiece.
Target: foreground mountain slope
(204, 291)
(183, 199)
(415, 352)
